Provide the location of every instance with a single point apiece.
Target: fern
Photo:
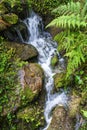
(65, 9)
(71, 15)
(75, 46)
(68, 21)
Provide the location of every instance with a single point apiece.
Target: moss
(40, 70)
(27, 96)
(59, 80)
(10, 18)
(54, 60)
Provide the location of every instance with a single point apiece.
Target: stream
(46, 47)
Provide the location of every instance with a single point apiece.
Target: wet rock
(61, 120)
(23, 51)
(59, 80)
(31, 79)
(53, 31)
(18, 33)
(74, 105)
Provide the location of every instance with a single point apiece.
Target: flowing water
(46, 48)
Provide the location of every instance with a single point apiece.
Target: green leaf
(84, 113)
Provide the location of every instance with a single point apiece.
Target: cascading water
(46, 48)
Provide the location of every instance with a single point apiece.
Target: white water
(46, 48)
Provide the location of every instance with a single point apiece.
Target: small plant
(84, 113)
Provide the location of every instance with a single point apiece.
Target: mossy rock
(54, 60)
(74, 106)
(23, 51)
(59, 80)
(12, 35)
(31, 80)
(61, 120)
(10, 18)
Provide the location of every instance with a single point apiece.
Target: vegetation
(71, 17)
(7, 78)
(45, 6)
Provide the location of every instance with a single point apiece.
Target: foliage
(84, 113)
(72, 17)
(32, 115)
(13, 3)
(7, 79)
(83, 127)
(45, 6)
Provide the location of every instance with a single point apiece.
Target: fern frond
(76, 57)
(68, 21)
(83, 12)
(70, 7)
(60, 37)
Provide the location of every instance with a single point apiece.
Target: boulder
(61, 120)
(17, 32)
(31, 79)
(23, 51)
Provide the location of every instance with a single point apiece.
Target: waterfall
(46, 48)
